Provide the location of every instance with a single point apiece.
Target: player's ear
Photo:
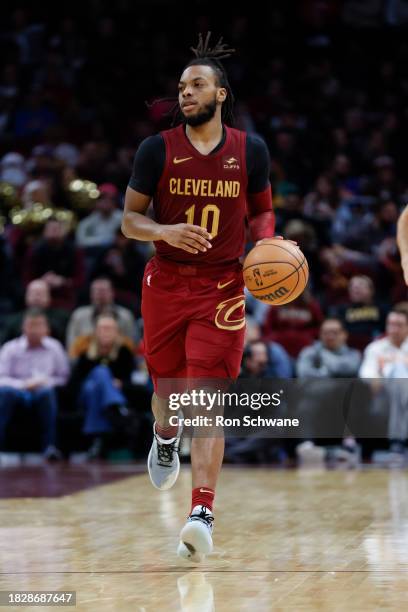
(221, 94)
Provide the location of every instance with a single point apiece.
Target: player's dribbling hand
(190, 238)
(277, 237)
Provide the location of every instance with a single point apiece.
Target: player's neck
(207, 136)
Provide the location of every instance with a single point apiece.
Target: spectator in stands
(255, 360)
(294, 325)
(37, 296)
(9, 282)
(368, 226)
(291, 206)
(22, 234)
(322, 202)
(93, 158)
(362, 315)
(83, 319)
(100, 377)
(389, 278)
(384, 223)
(261, 360)
(57, 261)
(328, 358)
(31, 366)
(346, 182)
(385, 183)
(350, 222)
(252, 330)
(305, 234)
(386, 356)
(123, 264)
(386, 361)
(36, 192)
(257, 311)
(264, 359)
(12, 169)
(338, 266)
(42, 162)
(120, 168)
(99, 228)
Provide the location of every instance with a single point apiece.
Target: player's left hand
(265, 240)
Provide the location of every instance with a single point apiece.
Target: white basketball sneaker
(163, 461)
(196, 535)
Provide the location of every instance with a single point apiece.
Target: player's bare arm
(136, 225)
(402, 240)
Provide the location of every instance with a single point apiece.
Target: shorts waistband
(193, 271)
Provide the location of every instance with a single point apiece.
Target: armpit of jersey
(258, 164)
(148, 165)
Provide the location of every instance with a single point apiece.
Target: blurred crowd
(326, 87)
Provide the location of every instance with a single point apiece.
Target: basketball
(276, 271)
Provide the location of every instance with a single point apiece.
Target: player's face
(199, 95)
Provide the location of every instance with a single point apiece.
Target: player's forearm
(261, 217)
(139, 227)
(262, 225)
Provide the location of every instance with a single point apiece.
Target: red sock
(166, 432)
(202, 496)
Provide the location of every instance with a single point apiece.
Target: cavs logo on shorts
(231, 313)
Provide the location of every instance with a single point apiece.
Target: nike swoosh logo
(221, 286)
(205, 491)
(177, 160)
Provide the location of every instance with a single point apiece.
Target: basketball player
(402, 240)
(205, 179)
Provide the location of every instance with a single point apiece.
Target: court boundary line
(210, 571)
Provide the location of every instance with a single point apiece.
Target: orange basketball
(276, 271)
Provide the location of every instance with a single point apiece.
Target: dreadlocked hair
(207, 56)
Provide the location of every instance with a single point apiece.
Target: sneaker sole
(196, 539)
(172, 475)
(184, 553)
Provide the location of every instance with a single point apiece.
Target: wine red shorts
(194, 320)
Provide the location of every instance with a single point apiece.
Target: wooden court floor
(284, 540)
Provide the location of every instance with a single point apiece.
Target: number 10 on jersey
(205, 213)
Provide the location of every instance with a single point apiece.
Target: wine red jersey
(205, 190)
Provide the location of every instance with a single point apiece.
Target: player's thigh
(213, 352)
(215, 338)
(164, 324)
